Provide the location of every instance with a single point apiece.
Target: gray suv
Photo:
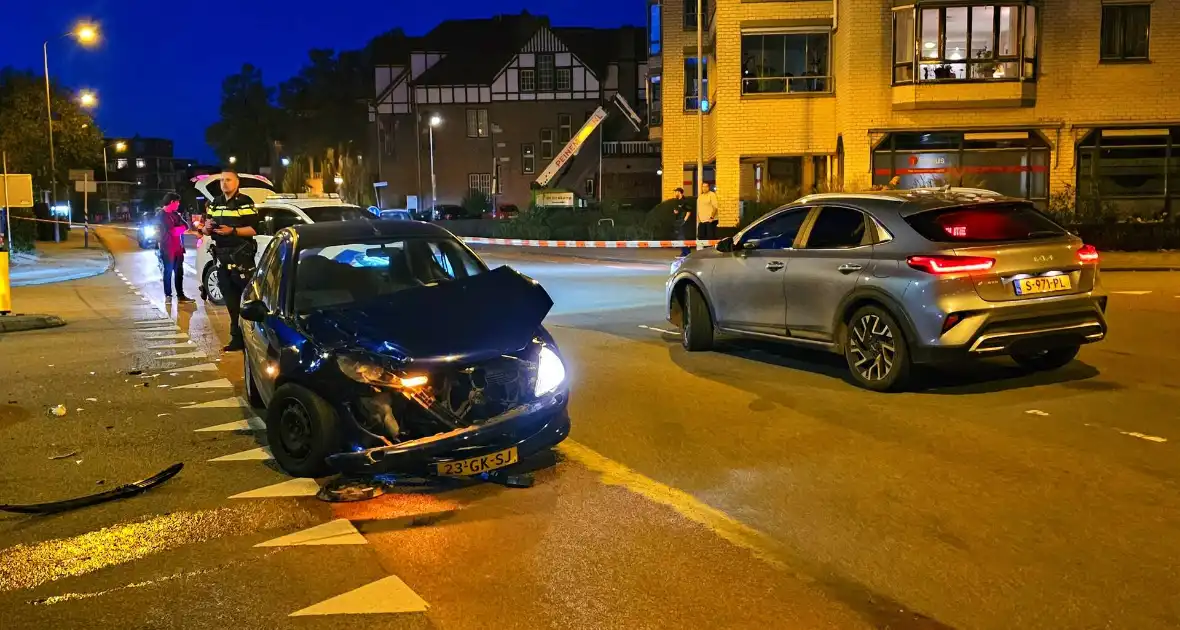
(897, 278)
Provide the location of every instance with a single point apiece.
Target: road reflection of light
(26, 566)
(395, 506)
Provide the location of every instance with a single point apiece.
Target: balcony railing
(631, 148)
(786, 85)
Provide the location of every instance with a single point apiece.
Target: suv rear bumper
(1006, 335)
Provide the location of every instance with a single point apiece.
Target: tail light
(1088, 254)
(940, 265)
(951, 320)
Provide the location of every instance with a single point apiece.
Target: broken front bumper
(530, 428)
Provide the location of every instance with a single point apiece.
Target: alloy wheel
(295, 429)
(212, 287)
(873, 348)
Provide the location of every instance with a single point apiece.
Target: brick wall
(1073, 92)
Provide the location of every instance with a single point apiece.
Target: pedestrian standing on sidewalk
(232, 222)
(172, 226)
(686, 221)
(708, 213)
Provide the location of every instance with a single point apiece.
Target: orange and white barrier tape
(518, 242)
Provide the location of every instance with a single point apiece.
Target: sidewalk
(59, 262)
(1111, 261)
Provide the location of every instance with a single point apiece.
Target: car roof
(336, 232)
(912, 201)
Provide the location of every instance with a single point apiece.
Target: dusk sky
(158, 71)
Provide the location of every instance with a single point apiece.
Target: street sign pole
(86, 211)
(5, 283)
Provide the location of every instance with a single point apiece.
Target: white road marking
(249, 424)
(389, 595)
(173, 346)
(224, 403)
(200, 367)
(165, 337)
(189, 355)
(660, 330)
(191, 269)
(298, 487)
(1131, 292)
(221, 382)
(338, 532)
(1036, 412)
(1144, 436)
(259, 454)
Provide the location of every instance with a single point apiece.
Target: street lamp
(286, 161)
(233, 159)
(87, 35)
(435, 120)
(87, 99)
(339, 180)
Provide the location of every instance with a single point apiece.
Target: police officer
(232, 222)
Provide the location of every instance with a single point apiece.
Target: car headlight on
(368, 373)
(149, 230)
(550, 371)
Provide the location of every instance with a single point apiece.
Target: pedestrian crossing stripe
(298, 487)
(173, 336)
(388, 595)
(338, 532)
(188, 355)
(224, 403)
(200, 367)
(259, 454)
(172, 346)
(221, 382)
(161, 329)
(1131, 292)
(152, 322)
(249, 424)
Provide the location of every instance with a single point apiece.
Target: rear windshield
(985, 223)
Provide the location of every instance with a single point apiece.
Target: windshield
(345, 274)
(985, 223)
(321, 214)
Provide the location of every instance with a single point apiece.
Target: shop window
(1011, 163)
(789, 62)
(1125, 32)
(691, 93)
(982, 42)
(1133, 169)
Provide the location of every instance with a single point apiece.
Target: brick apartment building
(509, 92)
(1021, 97)
(148, 168)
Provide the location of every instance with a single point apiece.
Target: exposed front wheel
(209, 287)
(302, 430)
(1046, 360)
(697, 330)
(876, 349)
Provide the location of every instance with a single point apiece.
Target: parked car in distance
(359, 345)
(396, 215)
(452, 212)
(507, 211)
(897, 278)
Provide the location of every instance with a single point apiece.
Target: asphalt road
(750, 487)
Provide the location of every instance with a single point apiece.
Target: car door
(260, 338)
(836, 249)
(746, 285)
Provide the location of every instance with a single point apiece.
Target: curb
(17, 323)
(106, 251)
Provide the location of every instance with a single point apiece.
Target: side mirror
(254, 311)
(725, 245)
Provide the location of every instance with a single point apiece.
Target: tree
(77, 140)
(249, 121)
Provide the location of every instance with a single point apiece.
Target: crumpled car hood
(470, 319)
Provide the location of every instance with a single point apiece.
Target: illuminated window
(140, 163)
(780, 63)
(982, 42)
(121, 163)
(528, 159)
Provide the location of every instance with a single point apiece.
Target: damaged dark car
(390, 347)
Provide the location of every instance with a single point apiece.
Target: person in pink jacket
(172, 226)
